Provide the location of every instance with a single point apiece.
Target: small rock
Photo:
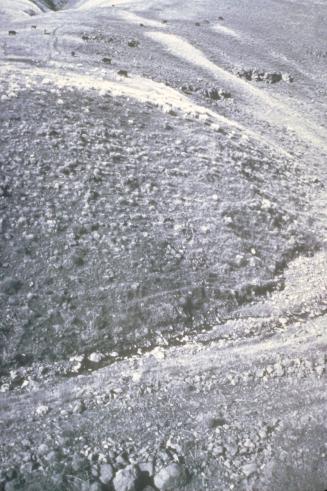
(52, 457)
(171, 477)
(106, 473)
(10, 286)
(79, 407)
(219, 450)
(214, 422)
(122, 460)
(133, 43)
(279, 370)
(147, 467)
(43, 449)
(286, 77)
(79, 462)
(11, 486)
(320, 370)
(158, 353)
(187, 88)
(96, 357)
(77, 363)
(272, 78)
(95, 486)
(212, 93)
(249, 469)
(42, 410)
(126, 479)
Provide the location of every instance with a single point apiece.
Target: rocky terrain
(163, 245)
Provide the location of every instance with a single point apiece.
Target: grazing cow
(12, 33)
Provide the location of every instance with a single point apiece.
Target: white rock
(96, 357)
(125, 479)
(136, 376)
(320, 370)
(158, 353)
(42, 410)
(249, 469)
(279, 370)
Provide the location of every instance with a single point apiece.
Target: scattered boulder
(187, 88)
(123, 73)
(210, 92)
(256, 75)
(171, 477)
(245, 74)
(133, 43)
(216, 94)
(126, 479)
(212, 422)
(286, 77)
(106, 60)
(272, 78)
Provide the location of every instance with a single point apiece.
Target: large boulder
(126, 479)
(170, 478)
